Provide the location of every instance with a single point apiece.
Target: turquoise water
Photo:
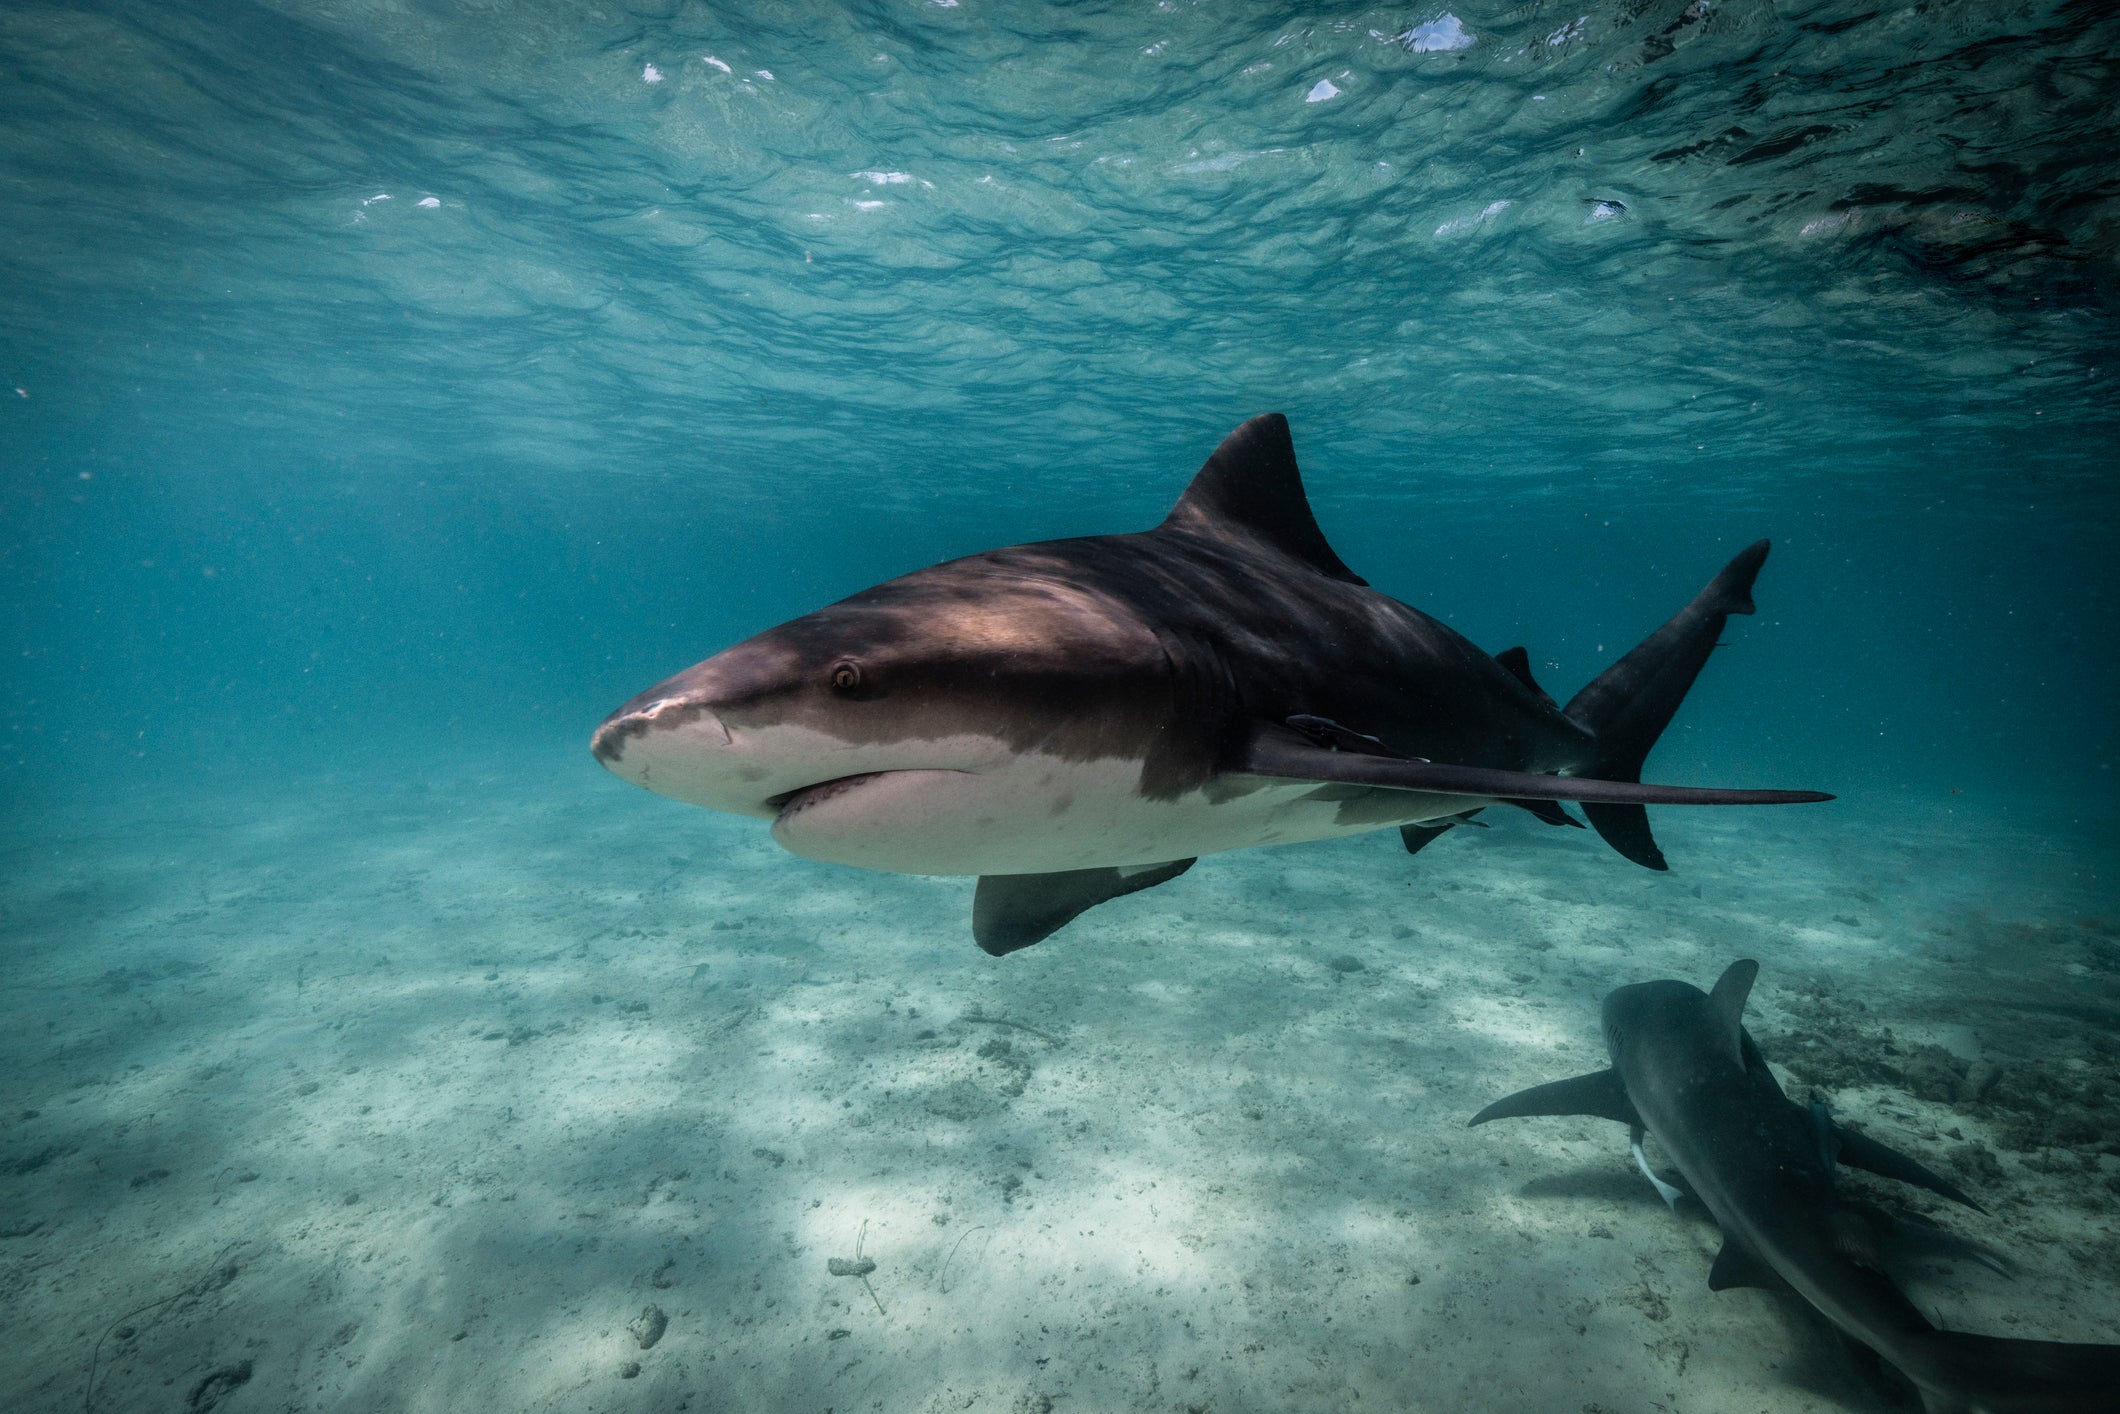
(393, 389)
(667, 362)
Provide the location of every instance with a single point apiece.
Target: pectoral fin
(1600, 1095)
(1279, 751)
(1862, 1152)
(1012, 911)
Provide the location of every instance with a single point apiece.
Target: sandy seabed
(522, 1093)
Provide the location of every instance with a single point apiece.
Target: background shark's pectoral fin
(1738, 1265)
(1600, 1095)
(1012, 911)
(1862, 1152)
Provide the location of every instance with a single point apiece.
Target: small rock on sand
(648, 1326)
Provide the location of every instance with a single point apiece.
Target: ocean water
(388, 390)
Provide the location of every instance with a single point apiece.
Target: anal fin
(1418, 837)
(1012, 911)
(1547, 810)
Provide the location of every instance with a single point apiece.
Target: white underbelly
(1041, 814)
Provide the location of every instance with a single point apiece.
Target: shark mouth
(794, 802)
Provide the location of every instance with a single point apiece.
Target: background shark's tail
(1631, 702)
(1960, 1374)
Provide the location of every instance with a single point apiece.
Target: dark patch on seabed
(2035, 1056)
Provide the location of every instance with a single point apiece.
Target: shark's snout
(677, 740)
(609, 743)
(646, 715)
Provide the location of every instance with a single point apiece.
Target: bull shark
(1685, 1070)
(1076, 720)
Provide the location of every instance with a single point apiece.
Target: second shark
(1685, 1070)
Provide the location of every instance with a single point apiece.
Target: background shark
(1080, 719)
(1685, 1070)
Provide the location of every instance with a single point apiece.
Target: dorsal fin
(1251, 486)
(1727, 1001)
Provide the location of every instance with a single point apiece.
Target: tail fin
(1631, 702)
(1958, 1373)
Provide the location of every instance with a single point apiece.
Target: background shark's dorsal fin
(1251, 486)
(1727, 1001)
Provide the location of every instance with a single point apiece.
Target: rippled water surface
(676, 300)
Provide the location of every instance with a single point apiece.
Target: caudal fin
(1631, 702)
(1967, 1374)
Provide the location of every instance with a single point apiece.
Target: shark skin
(1685, 1070)
(1079, 719)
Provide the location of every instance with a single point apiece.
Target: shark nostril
(664, 713)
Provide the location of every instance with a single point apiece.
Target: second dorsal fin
(1251, 487)
(1517, 663)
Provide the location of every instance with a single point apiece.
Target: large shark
(1080, 719)
(1685, 1070)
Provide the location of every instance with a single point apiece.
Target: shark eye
(846, 677)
